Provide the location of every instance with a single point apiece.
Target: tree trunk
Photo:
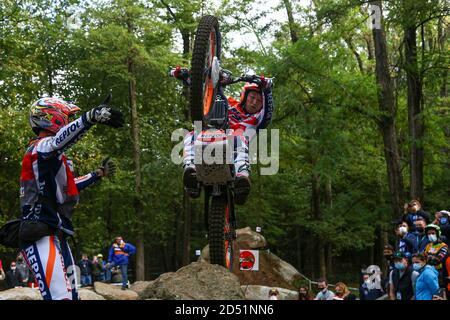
(383, 241)
(138, 206)
(415, 120)
(329, 265)
(318, 217)
(442, 48)
(187, 208)
(291, 22)
(299, 249)
(352, 48)
(387, 126)
(329, 247)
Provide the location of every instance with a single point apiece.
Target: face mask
(403, 230)
(388, 257)
(419, 229)
(399, 266)
(273, 298)
(13, 268)
(417, 266)
(443, 220)
(432, 237)
(367, 282)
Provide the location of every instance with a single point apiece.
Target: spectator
(303, 293)
(436, 251)
(98, 268)
(446, 274)
(427, 283)
(324, 293)
(420, 238)
(22, 268)
(85, 270)
(405, 242)
(13, 278)
(2, 273)
(342, 292)
(442, 219)
(118, 256)
(367, 291)
(413, 210)
(388, 253)
(273, 294)
(402, 279)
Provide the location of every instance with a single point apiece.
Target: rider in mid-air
(49, 191)
(252, 112)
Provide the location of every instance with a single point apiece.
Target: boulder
(89, 294)
(196, 281)
(21, 294)
(273, 271)
(253, 292)
(249, 239)
(140, 286)
(246, 239)
(112, 292)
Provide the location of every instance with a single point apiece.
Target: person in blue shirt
(420, 238)
(427, 284)
(405, 238)
(118, 256)
(442, 219)
(413, 210)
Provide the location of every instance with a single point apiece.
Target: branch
(169, 9)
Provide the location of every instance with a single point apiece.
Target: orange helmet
(247, 88)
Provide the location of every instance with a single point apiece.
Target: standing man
(118, 256)
(49, 190)
(23, 270)
(86, 270)
(402, 279)
(13, 278)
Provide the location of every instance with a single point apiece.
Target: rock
(21, 294)
(196, 281)
(254, 292)
(89, 294)
(248, 239)
(140, 286)
(112, 292)
(273, 271)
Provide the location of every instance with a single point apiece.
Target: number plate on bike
(214, 156)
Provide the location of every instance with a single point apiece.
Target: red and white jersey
(48, 189)
(246, 123)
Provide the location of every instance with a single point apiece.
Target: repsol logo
(72, 128)
(36, 270)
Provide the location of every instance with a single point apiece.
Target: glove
(266, 84)
(104, 114)
(108, 167)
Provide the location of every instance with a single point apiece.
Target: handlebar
(226, 77)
